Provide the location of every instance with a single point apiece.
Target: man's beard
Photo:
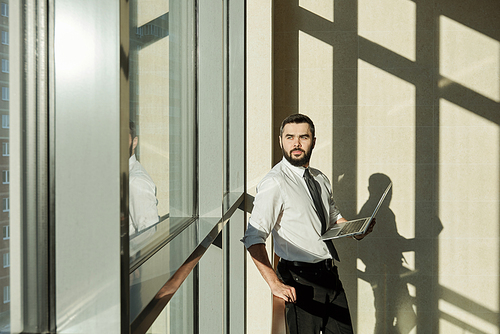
(298, 162)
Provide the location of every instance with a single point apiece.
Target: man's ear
(313, 143)
(134, 143)
(281, 144)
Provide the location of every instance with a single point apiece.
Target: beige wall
(406, 91)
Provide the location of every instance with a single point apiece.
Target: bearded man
(307, 277)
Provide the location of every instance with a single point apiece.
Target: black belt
(328, 263)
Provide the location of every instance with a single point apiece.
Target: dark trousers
(321, 301)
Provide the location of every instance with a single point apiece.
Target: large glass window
(161, 144)
(161, 187)
(187, 139)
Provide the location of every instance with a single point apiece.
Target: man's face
(297, 143)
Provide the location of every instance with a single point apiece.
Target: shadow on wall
(382, 254)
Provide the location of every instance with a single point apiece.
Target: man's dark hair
(297, 119)
(132, 131)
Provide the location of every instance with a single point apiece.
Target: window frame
(5, 9)
(6, 294)
(5, 149)
(5, 176)
(5, 94)
(6, 204)
(5, 37)
(5, 122)
(6, 260)
(5, 66)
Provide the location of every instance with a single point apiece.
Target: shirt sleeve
(334, 210)
(267, 207)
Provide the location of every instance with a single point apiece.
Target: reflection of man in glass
(143, 210)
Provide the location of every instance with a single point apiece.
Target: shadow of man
(383, 257)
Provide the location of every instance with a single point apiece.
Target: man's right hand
(283, 291)
(278, 289)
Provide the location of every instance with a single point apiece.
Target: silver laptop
(353, 227)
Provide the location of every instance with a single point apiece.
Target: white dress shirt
(284, 206)
(143, 210)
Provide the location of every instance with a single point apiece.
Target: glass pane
(162, 149)
(162, 117)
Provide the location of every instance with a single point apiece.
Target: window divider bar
(124, 42)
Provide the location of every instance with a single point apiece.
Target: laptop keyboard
(352, 227)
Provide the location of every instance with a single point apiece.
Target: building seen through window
(5, 83)
(6, 232)
(5, 10)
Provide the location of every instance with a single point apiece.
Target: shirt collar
(299, 170)
(132, 160)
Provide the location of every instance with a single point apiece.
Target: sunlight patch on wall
(453, 319)
(469, 58)
(390, 24)
(366, 310)
(412, 290)
(469, 192)
(320, 8)
(386, 140)
(409, 260)
(259, 93)
(360, 265)
(316, 54)
(316, 96)
(469, 167)
(147, 10)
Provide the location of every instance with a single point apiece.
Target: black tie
(315, 191)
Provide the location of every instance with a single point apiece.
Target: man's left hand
(368, 231)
